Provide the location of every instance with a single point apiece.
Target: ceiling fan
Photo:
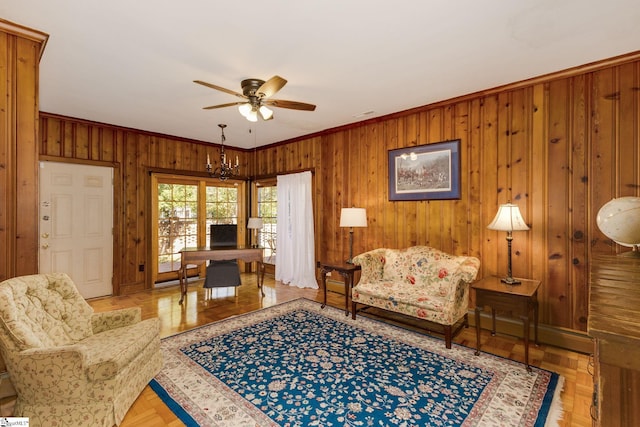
(256, 95)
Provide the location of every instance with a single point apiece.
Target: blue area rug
(296, 364)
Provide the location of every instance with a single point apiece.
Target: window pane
(177, 223)
(221, 207)
(267, 210)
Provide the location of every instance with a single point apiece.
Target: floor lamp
(508, 219)
(255, 224)
(352, 217)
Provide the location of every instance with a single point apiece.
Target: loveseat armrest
(372, 264)
(39, 374)
(469, 269)
(108, 320)
(458, 298)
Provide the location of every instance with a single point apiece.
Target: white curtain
(295, 263)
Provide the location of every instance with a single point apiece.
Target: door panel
(76, 222)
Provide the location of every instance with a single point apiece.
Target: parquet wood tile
(202, 307)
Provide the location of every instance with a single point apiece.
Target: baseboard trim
(568, 339)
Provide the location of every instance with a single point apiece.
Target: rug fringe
(556, 411)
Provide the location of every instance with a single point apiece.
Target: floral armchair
(69, 365)
(420, 282)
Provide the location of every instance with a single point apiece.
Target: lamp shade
(265, 112)
(508, 218)
(252, 115)
(353, 217)
(254, 223)
(244, 109)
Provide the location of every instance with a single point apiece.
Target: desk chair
(226, 273)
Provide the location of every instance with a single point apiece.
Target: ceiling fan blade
(221, 89)
(271, 86)
(293, 105)
(229, 104)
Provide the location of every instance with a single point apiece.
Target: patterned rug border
(548, 414)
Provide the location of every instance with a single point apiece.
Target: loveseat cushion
(422, 266)
(399, 294)
(434, 270)
(395, 265)
(110, 351)
(44, 310)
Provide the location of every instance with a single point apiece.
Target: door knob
(45, 235)
(45, 246)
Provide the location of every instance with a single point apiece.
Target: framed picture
(425, 172)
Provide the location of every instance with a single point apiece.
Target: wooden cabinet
(614, 324)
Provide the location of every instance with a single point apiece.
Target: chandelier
(226, 170)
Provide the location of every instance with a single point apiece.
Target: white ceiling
(132, 62)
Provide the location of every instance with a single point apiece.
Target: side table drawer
(502, 302)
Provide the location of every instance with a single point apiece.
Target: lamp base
(510, 281)
(349, 261)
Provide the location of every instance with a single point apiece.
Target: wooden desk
(520, 299)
(347, 271)
(196, 256)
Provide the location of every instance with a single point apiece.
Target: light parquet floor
(202, 307)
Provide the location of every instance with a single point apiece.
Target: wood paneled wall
(559, 146)
(20, 51)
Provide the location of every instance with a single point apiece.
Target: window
(222, 207)
(183, 209)
(177, 223)
(268, 210)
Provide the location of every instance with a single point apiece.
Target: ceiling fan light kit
(256, 95)
(251, 113)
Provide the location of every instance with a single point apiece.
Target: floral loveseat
(69, 365)
(420, 282)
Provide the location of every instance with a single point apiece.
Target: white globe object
(619, 220)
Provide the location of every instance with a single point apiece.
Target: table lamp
(508, 219)
(352, 217)
(255, 224)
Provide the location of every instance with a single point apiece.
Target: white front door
(76, 223)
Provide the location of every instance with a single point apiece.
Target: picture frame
(425, 172)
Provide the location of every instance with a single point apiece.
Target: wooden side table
(521, 299)
(347, 271)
